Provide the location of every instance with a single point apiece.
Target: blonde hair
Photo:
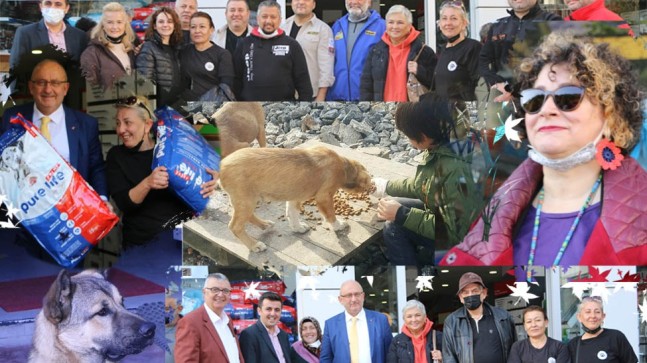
(99, 33)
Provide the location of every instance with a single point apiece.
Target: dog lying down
(83, 320)
(293, 175)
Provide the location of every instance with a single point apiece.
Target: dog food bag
(186, 155)
(53, 202)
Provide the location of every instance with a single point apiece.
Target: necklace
(569, 235)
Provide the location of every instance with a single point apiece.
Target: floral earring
(608, 154)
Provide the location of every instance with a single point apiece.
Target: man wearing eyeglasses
(357, 335)
(265, 342)
(52, 29)
(74, 134)
(494, 60)
(478, 331)
(207, 334)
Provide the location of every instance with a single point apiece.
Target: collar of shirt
(361, 316)
(57, 117)
(49, 30)
(272, 334)
(215, 318)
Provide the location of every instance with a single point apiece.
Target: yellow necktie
(44, 127)
(354, 341)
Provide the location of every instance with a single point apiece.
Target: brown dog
(293, 175)
(239, 123)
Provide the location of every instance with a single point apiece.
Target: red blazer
(196, 340)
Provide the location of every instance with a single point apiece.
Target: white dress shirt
(362, 335)
(57, 130)
(222, 328)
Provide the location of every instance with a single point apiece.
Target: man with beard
(494, 60)
(315, 38)
(269, 65)
(185, 9)
(478, 331)
(354, 35)
(229, 35)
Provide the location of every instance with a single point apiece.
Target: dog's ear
(350, 170)
(57, 304)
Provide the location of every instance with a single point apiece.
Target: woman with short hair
(538, 348)
(386, 69)
(416, 342)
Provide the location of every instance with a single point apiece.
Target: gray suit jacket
(34, 35)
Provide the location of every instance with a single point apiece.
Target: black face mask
(135, 149)
(472, 302)
(452, 39)
(116, 40)
(591, 331)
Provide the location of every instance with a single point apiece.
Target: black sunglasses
(133, 101)
(566, 98)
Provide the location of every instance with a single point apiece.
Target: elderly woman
(456, 74)
(308, 348)
(384, 77)
(438, 194)
(141, 194)
(538, 348)
(110, 54)
(418, 342)
(204, 64)
(579, 199)
(597, 343)
(158, 59)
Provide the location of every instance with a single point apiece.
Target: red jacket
(618, 238)
(596, 11)
(197, 341)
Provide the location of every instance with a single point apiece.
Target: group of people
(476, 332)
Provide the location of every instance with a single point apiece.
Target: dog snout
(147, 330)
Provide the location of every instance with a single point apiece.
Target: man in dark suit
(74, 134)
(357, 335)
(51, 29)
(207, 334)
(264, 342)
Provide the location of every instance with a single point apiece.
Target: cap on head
(469, 278)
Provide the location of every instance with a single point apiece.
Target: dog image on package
(60, 209)
(83, 320)
(292, 175)
(239, 124)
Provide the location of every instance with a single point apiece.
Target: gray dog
(84, 320)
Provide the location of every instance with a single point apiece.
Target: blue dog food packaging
(52, 201)
(186, 155)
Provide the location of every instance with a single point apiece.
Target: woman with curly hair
(158, 59)
(579, 199)
(110, 54)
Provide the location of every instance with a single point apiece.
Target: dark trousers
(404, 246)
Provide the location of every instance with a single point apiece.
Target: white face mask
(53, 15)
(315, 344)
(581, 156)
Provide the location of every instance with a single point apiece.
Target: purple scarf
(304, 353)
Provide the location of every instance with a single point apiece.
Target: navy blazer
(83, 139)
(335, 347)
(257, 347)
(35, 35)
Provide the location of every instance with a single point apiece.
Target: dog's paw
(339, 225)
(259, 247)
(300, 228)
(267, 224)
